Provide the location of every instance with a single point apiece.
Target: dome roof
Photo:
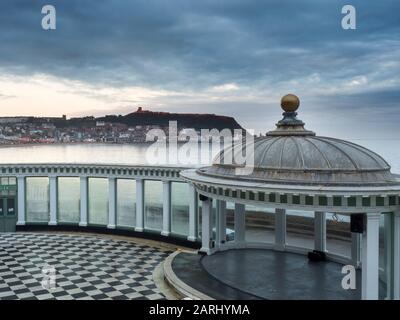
(291, 154)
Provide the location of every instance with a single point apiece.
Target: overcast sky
(226, 57)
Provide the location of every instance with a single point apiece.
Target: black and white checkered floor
(86, 267)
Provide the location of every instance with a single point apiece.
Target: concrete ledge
(162, 285)
(177, 284)
(104, 230)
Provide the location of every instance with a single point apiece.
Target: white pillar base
(165, 233)
(191, 238)
(52, 223)
(138, 229)
(83, 224)
(111, 226)
(207, 251)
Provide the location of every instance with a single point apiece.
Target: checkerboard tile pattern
(88, 268)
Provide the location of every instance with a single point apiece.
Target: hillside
(185, 120)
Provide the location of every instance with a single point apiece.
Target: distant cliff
(130, 128)
(184, 120)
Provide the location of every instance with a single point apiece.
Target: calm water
(138, 154)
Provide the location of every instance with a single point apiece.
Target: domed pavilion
(292, 168)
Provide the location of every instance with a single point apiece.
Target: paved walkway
(86, 267)
(263, 274)
(279, 275)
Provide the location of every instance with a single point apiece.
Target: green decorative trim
(323, 200)
(380, 201)
(337, 201)
(352, 202)
(296, 199)
(392, 200)
(272, 197)
(309, 200)
(366, 201)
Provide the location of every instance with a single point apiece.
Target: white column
(356, 249)
(280, 229)
(112, 203)
(370, 258)
(221, 222)
(388, 253)
(166, 230)
(206, 230)
(193, 209)
(84, 202)
(53, 200)
(139, 205)
(240, 223)
(320, 231)
(21, 200)
(396, 256)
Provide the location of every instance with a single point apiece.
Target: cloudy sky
(231, 57)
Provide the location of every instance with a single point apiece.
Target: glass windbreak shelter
(8, 210)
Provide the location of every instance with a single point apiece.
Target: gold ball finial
(290, 103)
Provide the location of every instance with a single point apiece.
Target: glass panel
(260, 224)
(180, 208)
(68, 199)
(199, 209)
(338, 235)
(386, 252)
(213, 220)
(230, 224)
(37, 199)
(153, 201)
(11, 207)
(98, 201)
(126, 202)
(300, 228)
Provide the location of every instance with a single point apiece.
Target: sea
(142, 154)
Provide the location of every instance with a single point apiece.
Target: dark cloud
(193, 43)
(273, 46)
